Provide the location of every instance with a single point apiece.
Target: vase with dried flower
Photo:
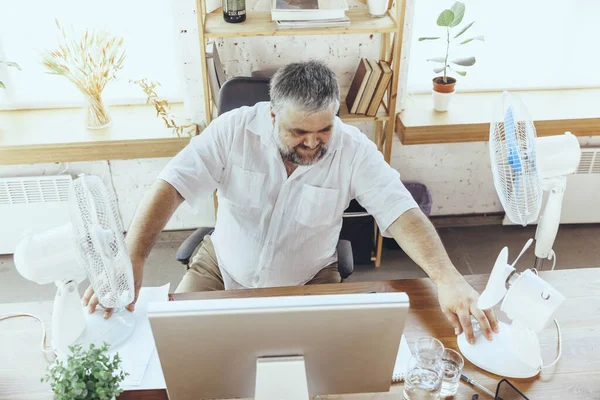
(90, 63)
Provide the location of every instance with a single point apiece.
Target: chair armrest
(345, 258)
(187, 248)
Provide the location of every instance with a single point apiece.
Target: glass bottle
(234, 11)
(423, 378)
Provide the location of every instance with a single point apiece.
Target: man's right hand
(91, 301)
(150, 218)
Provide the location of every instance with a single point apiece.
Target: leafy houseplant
(443, 86)
(90, 63)
(10, 64)
(86, 375)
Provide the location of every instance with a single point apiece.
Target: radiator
(31, 204)
(581, 201)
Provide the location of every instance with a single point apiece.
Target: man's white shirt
(275, 230)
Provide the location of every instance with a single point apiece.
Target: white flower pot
(377, 8)
(441, 101)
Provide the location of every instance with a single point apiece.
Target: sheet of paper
(139, 349)
(153, 378)
(402, 358)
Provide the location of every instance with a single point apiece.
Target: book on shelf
(308, 10)
(370, 87)
(325, 23)
(369, 84)
(382, 86)
(357, 87)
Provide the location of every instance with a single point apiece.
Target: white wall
(129, 180)
(458, 176)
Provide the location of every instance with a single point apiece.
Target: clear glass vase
(97, 115)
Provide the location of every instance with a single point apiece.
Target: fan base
(113, 331)
(495, 356)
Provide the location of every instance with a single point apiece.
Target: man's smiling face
(303, 138)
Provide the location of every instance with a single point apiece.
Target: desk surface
(574, 377)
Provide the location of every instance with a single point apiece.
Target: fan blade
(514, 158)
(496, 286)
(524, 344)
(527, 245)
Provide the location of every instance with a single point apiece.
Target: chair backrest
(242, 91)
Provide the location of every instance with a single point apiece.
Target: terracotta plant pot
(442, 93)
(441, 87)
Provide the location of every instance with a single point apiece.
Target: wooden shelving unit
(260, 24)
(211, 25)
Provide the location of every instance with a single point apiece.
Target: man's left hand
(458, 301)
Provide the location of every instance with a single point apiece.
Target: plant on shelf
(86, 375)
(9, 64)
(443, 85)
(90, 62)
(179, 125)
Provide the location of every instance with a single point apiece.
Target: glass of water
(452, 365)
(423, 378)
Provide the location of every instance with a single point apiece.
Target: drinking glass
(423, 378)
(452, 365)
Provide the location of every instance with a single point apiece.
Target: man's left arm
(418, 238)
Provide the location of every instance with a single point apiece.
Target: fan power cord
(45, 349)
(559, 346)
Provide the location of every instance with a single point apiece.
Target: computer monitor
(278, 347)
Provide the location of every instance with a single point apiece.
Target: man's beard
(292, 155)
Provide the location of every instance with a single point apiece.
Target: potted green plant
(86, 375)
(10, 64)
(443, 85)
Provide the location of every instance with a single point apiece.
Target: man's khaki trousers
(204, 274)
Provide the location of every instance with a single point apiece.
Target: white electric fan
(91, 245)
(523, 166)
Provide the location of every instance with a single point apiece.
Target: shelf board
(60, 135)
(382, 114)
(468, 118)
(260, 24)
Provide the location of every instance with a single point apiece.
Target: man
(285, 171)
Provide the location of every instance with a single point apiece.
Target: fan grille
(513, 159)
(100, 239)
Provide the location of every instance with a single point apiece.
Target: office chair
(247, 91)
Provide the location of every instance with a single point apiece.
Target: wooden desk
(574, 377)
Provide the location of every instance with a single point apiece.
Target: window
(27, 28)
(533, 44)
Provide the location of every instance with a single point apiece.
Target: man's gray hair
(310, 86)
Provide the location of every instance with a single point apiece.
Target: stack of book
(291, 14)
(370, 82)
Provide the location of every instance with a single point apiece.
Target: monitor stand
(281, 378)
